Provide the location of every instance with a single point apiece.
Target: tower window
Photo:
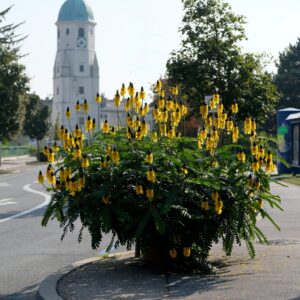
(57, 91)
(67, 31)
(81, 68)
(81, 90)
(91, 31)
(58, 34)
(57, 68)
(80, 32)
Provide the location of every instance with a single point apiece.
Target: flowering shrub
(157, 186)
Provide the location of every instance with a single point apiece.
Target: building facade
(76, 70)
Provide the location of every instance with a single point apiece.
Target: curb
(47, 289)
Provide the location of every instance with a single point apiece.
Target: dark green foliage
(175, 218)
(13, 81)
(287, 78)
(210, 58)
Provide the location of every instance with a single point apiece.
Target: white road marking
(4, 200)
(8, 203)
(4, 184)
(30, 190)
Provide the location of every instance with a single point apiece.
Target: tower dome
(75, 10)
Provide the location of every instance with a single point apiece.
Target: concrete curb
(48, 287)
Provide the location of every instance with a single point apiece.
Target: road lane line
(30, 190)
(8, 203)
(5, 200)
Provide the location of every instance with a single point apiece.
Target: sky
(134, 38)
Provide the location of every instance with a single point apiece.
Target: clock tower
(76, 70)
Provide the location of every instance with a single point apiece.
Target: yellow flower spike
(77, 153)
(41, 178)
(270, 166)
(261, 151)
(248, 125)
(156, 114)
(77, 106)
(234, 107)
(103, 163)
(164, 115)
(52, 179)
(137, 122)
(219, 207)
(161, 93)
(123, 90)
(158, 86)
(260, 204)
(94, 124)
(163, 129)
(77, 131)
(171, 133)
(115, 156)
(85, 163)
(253, 136)
(229, 125)
(202, 133)
(113, 131)
(151, 175)
(55, 147)
(216, 98)
(85, 106)
(255, 165)
(257, 184)
(269, 156)
(49, 170)
(250, 181)
(107, 149)
(241, 156)
(46, 151)
(254, 149)
(235, 133)
(139, 189)
(62, 174)
(131, 89)
(117, 99)
(214, 134)
(105, 127)
(173, 253)
(145, 109)
(142, 94)
(88, 124)
(205, 205)
(215, 196)
(200, 144)
(170, 104)
(139, 134)
(150, 194)
(154, 137)
(212, 104)
(186, 251)
(105, 200)
(204, 110)
(144, 127)
(220, 109)
(149, 157)
(127, 104)
(51, 156)
(174, 90)
(161, 103)
(98, 98)
(68, 113)
(62, 132)
(208, 121)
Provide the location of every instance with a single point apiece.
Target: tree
(13, 80)
(210, 58)
(36, 124)
(287, 78)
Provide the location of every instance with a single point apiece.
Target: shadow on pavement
(28, 293)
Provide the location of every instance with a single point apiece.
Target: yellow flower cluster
(186, 252)
(167, 114)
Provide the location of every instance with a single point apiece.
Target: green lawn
(292, 180)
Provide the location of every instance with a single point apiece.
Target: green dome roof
(75, 10)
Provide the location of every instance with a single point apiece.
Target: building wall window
(91, 31)
(58, 34)
(81, 90)
(57, 69)
(57, 91)
(80, 32)
(81, 68)
(67, 31)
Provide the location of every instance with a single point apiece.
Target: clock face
(81, 43)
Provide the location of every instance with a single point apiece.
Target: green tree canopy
(13, 80)
(36, 124)
(287, 78)
(210, 58)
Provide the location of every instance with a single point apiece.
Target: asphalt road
(28, 251)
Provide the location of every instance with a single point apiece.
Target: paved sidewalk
(273, 274)
(11, 164)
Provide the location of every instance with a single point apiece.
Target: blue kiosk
(288, 136)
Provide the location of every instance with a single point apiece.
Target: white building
(76, 70)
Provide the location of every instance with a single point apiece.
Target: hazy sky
(135, 37)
